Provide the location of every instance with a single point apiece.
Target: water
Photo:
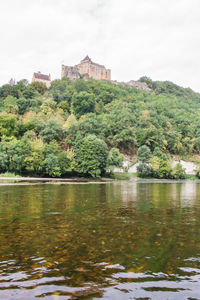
(121, 240)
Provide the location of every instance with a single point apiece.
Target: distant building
(46, 79)
(86, 69)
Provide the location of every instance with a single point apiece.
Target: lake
(118, 240)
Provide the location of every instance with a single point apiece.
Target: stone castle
(86, 69)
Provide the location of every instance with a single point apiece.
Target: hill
(46, 132)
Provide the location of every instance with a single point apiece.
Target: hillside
(48, 132)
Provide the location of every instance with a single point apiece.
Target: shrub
(178, 172)
(115, 159)
(161, 168)
(144, 170)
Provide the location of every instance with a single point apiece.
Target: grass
(128, 176)
(8, 174)
(191, 177)
(124, 176)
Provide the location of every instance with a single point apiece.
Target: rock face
(71, 72)
(139, 85)
(190, 167)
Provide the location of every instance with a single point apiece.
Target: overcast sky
(156, 38)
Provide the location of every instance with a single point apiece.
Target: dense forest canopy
(51, 132)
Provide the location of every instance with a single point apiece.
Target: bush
(178, 172)
(144, 170)
(198, 173)
(161, 168)
(115, 159)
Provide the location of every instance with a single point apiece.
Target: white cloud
(157, 38)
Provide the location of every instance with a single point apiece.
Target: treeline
(83, 126)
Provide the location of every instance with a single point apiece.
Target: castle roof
(87, 58)
(42, 76)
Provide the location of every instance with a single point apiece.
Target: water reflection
(117, 241)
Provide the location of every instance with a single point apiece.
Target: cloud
(157, 38)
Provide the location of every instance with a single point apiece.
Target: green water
(121, 240)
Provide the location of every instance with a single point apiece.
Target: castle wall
(87, 69)
(94, 71)
(71, 72)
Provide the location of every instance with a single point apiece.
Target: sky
(134, 38)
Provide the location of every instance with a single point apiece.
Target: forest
(85, 127)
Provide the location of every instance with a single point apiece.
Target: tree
(144, 170)
(161, 168)
(115, 159)
(10, 104)
(40, 87)
(52, 131)
(143, 154)
(51, 166)
(23, 105)
(91, 156)
(83, 103)
(8, 125)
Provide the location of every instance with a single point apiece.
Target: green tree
(23, 105)
(115, 159)
(51, 166)
(91, 156)
(161, 168)
(52, 131)
(8, 125)
(144, 170)
(83, 103)
(143, 154)
(40, 87)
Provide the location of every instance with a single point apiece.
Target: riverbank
(4, 181)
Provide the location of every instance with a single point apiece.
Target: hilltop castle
(86, 69)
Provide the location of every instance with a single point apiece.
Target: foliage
(178, 172)
(91, 155)
(161, 168)
(115, 159)
(143, 154)
(51, 166)
(8, 125)
(51, 125)
(198, 173)
(82, 103)
(52, 131)
(144, 170)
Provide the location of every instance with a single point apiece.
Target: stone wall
(86, 69)
(71, 72)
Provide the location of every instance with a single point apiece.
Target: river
(118, 240)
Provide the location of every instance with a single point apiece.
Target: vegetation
(84, 126)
